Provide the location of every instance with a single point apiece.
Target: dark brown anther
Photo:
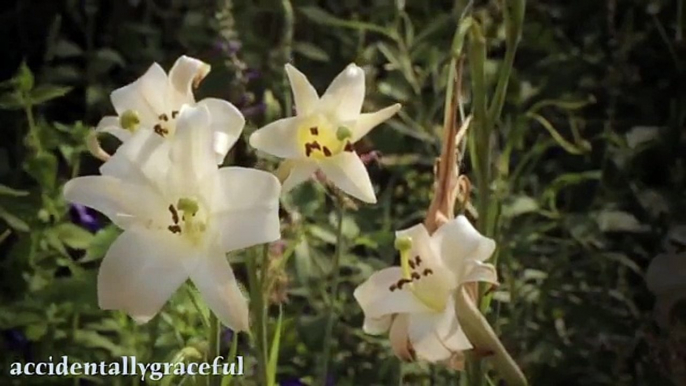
(402, 282)
(416, 276)
(392, 287)
(308, 149)
(418, 261)
(316, 145)
(349, 147)
(164, 117)
(314, 130)
(174, 229)
(428, 272)
(327, 152)
(161, 131)
(411, 264)
(174, 114)
(174, 213)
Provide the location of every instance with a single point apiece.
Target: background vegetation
(591, 163)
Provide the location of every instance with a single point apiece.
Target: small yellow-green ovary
(318, 138)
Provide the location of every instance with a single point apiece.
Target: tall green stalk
(331, 317)
(213, 350)
(484, 123)
(257, 310)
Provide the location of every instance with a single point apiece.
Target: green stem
(213, 351)
(264, 314)
(257, 310)
(226, 381)
(33, 129)
(328, 332)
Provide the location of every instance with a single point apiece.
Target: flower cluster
(181, 212)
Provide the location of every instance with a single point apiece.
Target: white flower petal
(450, 332)
(191, 152)
(146, 96)
(216, 282)
(344, 96)
(140, 271)
(123, 203)
(377, 300)
(110, 125)
(478, 271)
(377, 326)
(368, 121)
(246, 208)
(143, 159)
(186, 74)
(441, 279)
(400, 341)
(458, 241)
(300, 171)
(304, 95)
(279, 138)
(226, 123)
(348, 173)
(424, 338)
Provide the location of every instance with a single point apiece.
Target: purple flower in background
(84, 216)
(228, 48)
(372, 156)
(256, 109)
(291, 382)
(16, 341)
(252, 74)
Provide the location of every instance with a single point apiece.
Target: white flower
(153, 103)
(321, 134)
(416, 300)
(181, 214)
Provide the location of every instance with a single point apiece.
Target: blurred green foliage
(590, 173)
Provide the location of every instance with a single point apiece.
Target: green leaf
(618, 221)
(44, 93)
(13, 221)
(311, 51)
(35, 332)
(7, 191)
(95, 340)
(319, 16)
(43, 168)
(11, 101)
(24, 78)
(100, 243)
(520, 205)
(74, 236)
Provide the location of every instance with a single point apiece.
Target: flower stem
(259, 314)
(214, 350)
(328, 332)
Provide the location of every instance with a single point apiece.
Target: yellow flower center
(187, 220)
(319, 138)
(418, 278)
